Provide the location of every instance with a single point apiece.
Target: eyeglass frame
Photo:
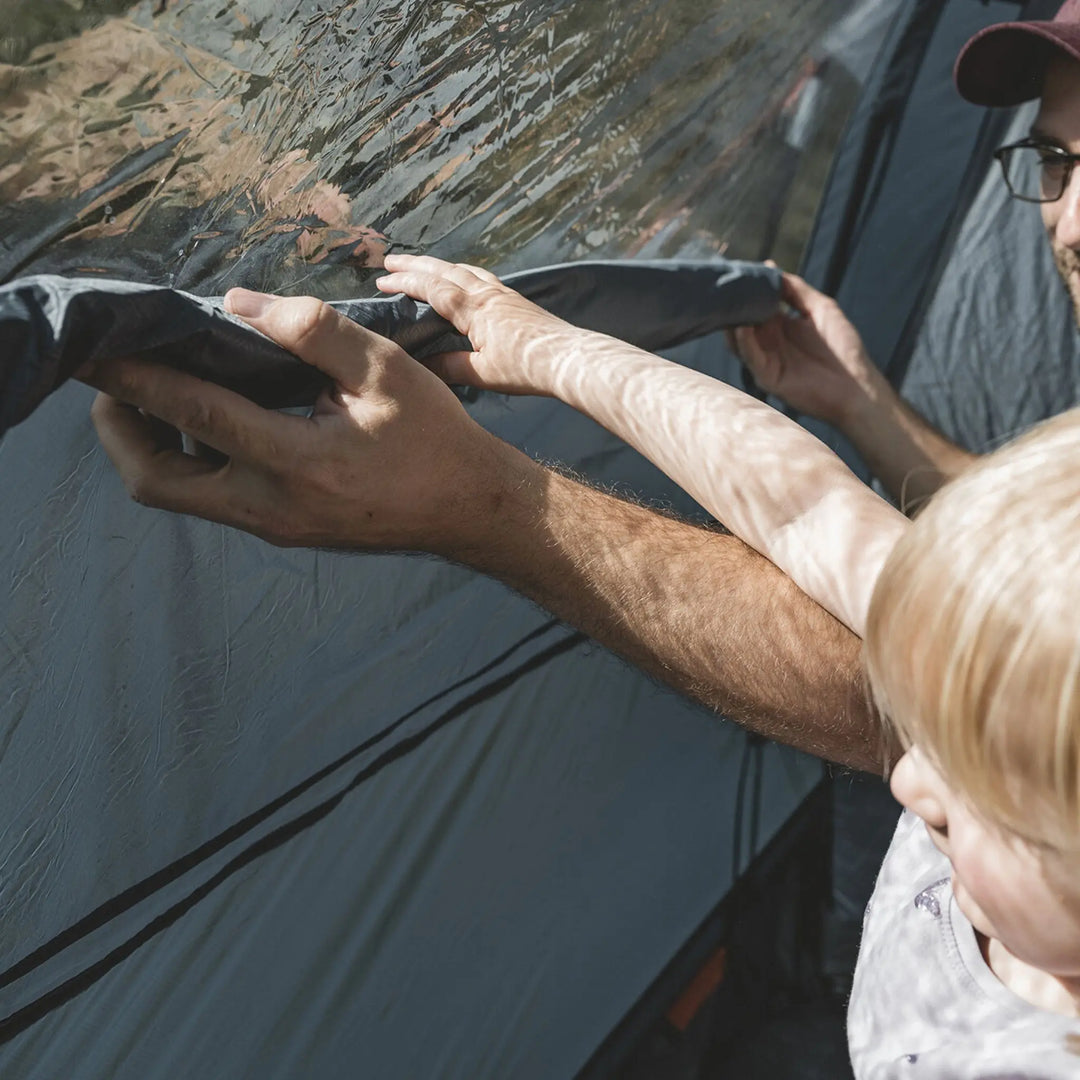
(1036, 143)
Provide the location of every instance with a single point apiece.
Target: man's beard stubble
(1067, 262)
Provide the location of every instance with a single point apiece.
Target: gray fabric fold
(50, 325)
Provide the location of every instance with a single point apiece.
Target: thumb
(760, 360)
(317, 334)
(802, 296)
(455, 368)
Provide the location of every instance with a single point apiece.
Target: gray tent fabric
(289, 813)
(333, 763)
(49, 325)
(848, 41)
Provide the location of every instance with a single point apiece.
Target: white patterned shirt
(924, 1004)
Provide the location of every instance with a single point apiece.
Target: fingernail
(247, 304)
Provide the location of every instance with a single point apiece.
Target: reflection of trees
(497, 131)
(68, 122)
(29, 24)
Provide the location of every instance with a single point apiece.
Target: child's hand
(516, 344)
(813, 360)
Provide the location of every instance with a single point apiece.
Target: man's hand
(816, 362)
(813, 360)
(516, 345)
(388, 458)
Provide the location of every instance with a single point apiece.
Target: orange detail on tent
(711, 975)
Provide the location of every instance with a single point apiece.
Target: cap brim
(1004, 64)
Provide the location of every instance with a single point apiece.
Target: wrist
(499, 494)
(556, 364)
(871, 402)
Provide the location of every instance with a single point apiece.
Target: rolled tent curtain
(49, 325)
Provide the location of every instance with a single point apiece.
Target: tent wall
(555, 827)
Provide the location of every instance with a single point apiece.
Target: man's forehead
(1059, 106)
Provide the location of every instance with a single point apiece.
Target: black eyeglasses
(1035, 170)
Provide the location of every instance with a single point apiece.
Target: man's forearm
(695, 608)
(910, 457)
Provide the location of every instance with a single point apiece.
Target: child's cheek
(980, 882)
(972, 910)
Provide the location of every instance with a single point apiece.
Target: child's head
(973, 653)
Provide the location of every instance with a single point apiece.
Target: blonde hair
(973, 638)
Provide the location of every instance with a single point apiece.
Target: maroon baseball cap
(1004, 64)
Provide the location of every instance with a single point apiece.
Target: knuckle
(484, 275)
(494, 292)
(448, 294)
(127, 381)
(140, 489)
(385, 354)
(197, 415)
(309, 319)
(99, 410)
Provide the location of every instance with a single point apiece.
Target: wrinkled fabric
(50, 325)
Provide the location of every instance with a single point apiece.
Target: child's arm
(768, 480)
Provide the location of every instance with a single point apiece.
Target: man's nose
(1067, 228)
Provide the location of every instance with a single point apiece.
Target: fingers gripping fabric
(50, 325)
